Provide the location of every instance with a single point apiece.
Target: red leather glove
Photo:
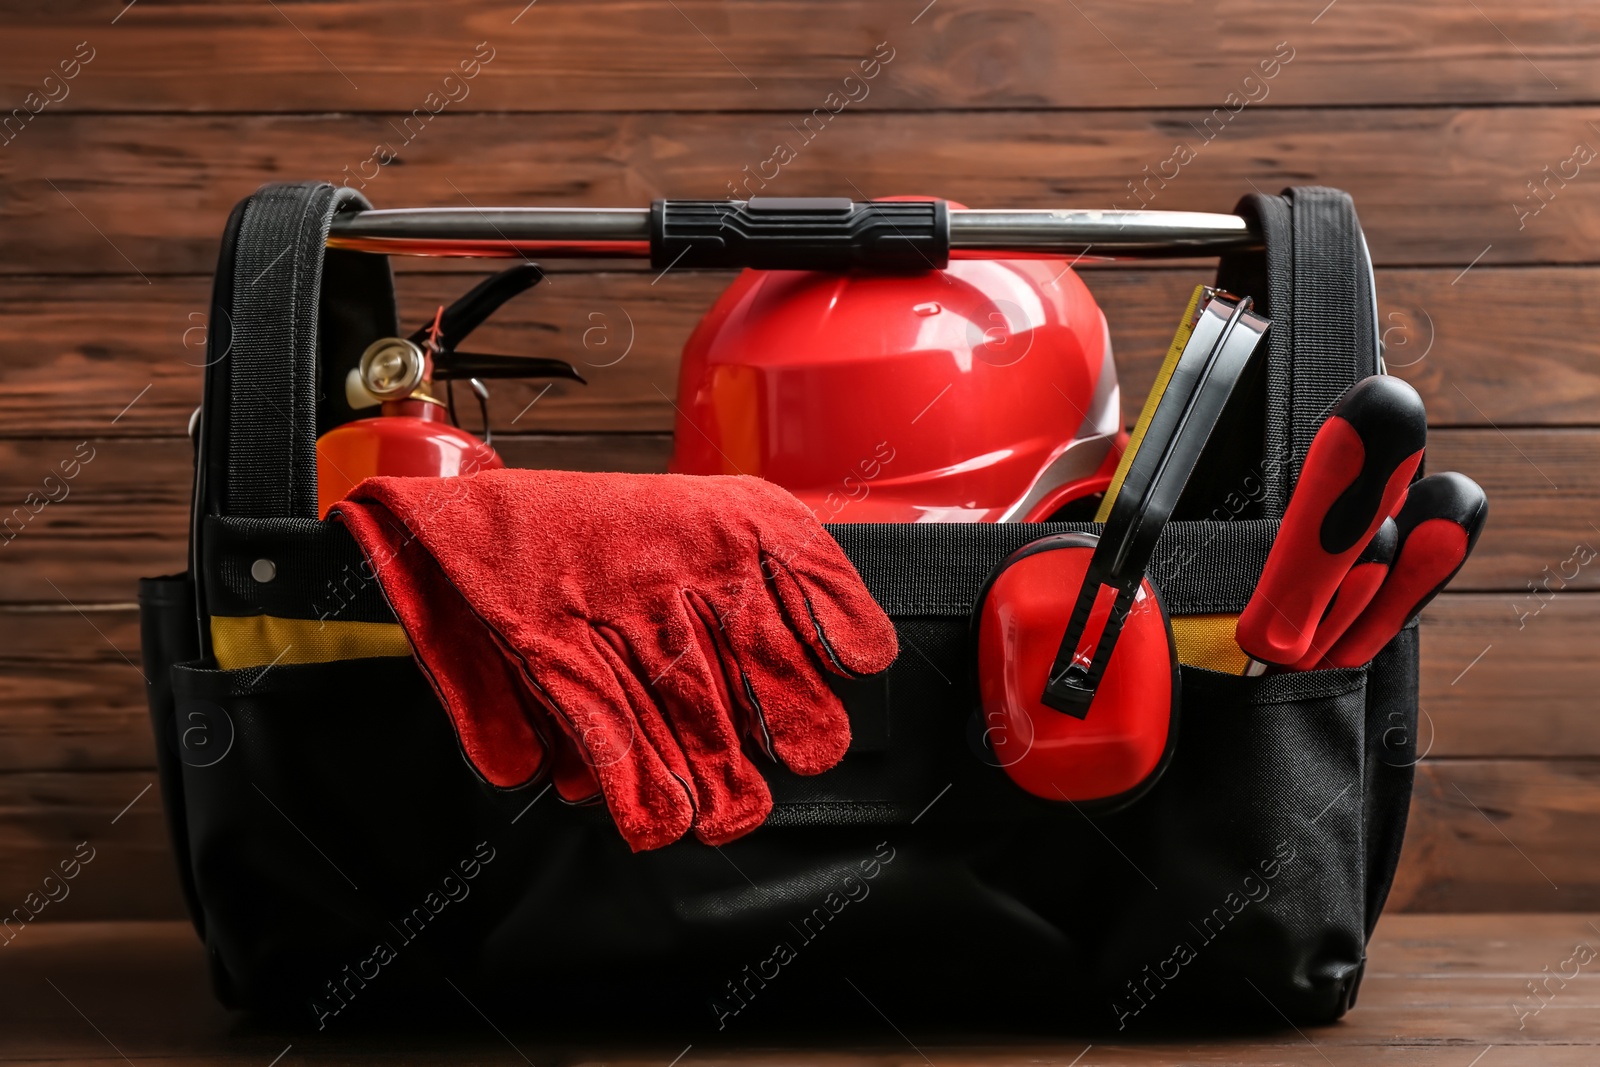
(652, 621)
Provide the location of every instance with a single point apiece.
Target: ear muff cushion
(1122, 745)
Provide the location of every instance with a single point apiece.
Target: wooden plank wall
(1463, 130)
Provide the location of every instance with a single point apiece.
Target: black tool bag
(339, 854)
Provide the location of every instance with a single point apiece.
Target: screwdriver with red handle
(1355, 592)
(1439, 525)
(1354, 477)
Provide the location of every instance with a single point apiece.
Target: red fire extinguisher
(417, 433)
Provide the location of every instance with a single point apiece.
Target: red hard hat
(984, 392)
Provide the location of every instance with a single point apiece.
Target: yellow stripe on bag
(259, 640)
(1208, 641)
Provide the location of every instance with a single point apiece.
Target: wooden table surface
(1440, 991)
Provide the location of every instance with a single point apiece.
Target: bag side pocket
(1392, 703)
(1252, 850)
(168, 634)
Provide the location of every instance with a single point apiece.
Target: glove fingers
(647, 715)
(803, 720)
(830, 609)
(650, 805)
(682, 667)
(571, 775)
(731, 681)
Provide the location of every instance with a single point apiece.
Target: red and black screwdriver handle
(1439, 525)
(1354, 476)
(1360, 585)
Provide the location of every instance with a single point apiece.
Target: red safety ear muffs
(1076, 668)
(1055, 755)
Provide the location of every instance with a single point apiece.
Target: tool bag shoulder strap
(289, 319)
(1314, 280)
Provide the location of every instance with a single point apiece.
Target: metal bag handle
(790, 233)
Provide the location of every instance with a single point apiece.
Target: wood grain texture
(133, 367)
(75, 716)
(1438, 990)
(72, 692)
(1544, 487)
(74, 373)
(1499, 679)
(126, 513)
(628, 55)
(1494, 347)
(1490, 830)
(148, 194)
(1497, 348)
(44, 817)
(125, 516)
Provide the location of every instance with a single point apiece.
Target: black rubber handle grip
(1367, 575)
(1439, 526)
(795, 233)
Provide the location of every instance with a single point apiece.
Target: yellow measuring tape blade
(1163, 379)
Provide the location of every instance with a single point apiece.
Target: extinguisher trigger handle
(474, 307)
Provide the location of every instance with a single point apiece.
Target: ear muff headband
(1212, 363)
(1117, 653)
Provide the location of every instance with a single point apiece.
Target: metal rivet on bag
(263, 570)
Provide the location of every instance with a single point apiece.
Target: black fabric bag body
(338, 852)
